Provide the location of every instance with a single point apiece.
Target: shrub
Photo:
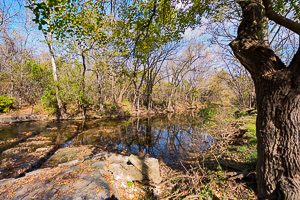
(49, 100)
(6, 103)
(110, 107)
(209, 111)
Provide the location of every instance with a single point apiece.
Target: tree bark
(83, 97)
(278, 106)
(278, 122)
(148, 99)
(48, 38)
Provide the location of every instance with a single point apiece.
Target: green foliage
(6, 103)
(237, 114)
(209, 111)
(35, 70)
(49, 101)
(244, 150)
(251, 131)
(37, 73)
(81, 21)
(126, 107)
(148, 25)
(130, 183)
(111, 107)
(252, 157)
(71, 85)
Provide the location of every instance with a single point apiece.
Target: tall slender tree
(44, 17)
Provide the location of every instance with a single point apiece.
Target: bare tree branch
(279, 19)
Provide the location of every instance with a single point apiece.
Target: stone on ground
(85, 178)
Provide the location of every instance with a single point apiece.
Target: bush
(49, 100)
(6, 103)
(209, 111)
(111, 108)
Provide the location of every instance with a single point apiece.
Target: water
(26, 146)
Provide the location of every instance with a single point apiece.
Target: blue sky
(21, 24)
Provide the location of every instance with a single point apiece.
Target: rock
(80, 181)
(134, 168)
(68, 154)
(6, 180)
(99, 164)
(102, 155)
(22, 118)
(71, 163)
(125, 172)
(148, 166)
(116, 158)
(37, 172)
(88, 179)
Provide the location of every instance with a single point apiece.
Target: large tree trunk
(278, 122)
(278, 106)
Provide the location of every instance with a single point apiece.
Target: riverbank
(30, 114)
(223, 170)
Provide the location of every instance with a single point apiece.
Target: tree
(83, 29)
(154, 64)
(177, 70)
(278, 97)
(77, 23)
(45, 19)
(146, 26)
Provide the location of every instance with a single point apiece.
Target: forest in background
(98, 58)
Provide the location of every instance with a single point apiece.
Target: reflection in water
(26, 146)
(172, 139)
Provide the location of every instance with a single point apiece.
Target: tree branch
(279, 19)
(295, 63)
(250, 47)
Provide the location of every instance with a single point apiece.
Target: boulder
(148, 166)
(125, 172)
(73, 180)
(134, 168)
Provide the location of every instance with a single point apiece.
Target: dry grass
(217, 174)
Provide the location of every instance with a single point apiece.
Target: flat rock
(89, 179)
(148, 166)
(85, 179)
(99, 164)
(73, 181)
(124, 172)
(116, 158)
(134, 168)
(22, 118)
(68, 154)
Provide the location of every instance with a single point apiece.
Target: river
(27, 146)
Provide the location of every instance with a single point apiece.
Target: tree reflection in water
(172, 139)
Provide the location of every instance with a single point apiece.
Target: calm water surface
(170, 138)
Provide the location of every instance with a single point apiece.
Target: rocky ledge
(102, 176)
(6, 119)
